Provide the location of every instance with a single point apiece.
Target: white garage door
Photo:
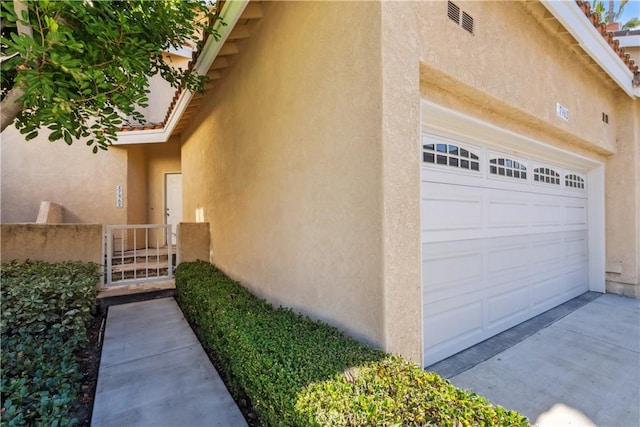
(504, 238)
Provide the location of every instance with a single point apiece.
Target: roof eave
(569, 14)
(229, 15)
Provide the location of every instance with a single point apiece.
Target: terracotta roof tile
(594, 17)
(194, 57)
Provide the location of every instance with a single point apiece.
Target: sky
(631, 10)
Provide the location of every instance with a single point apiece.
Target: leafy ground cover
(46, 363)
(301, 372)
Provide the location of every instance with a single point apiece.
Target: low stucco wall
(193, 241)
(51, 242)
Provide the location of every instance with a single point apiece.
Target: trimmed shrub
(301, 372)
(45, 309)
(395, 392)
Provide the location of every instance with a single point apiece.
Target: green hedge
(45, 309)
(300, 372)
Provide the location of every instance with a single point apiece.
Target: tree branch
(10, 107)
(24, 28)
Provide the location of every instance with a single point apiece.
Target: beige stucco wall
(136, 194)
(513, 70)
(69, 175)
(623, 205)
(51, 242)
(83, 183)
(193, 242)
(284, 162)
(401, 181)
(305, 162)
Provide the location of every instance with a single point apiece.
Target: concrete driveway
(582, 369)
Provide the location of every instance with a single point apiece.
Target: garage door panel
(546, 213)
(546, 249)
(453, 271)
(511, 303)
(510, 257)
(549, 292)
(445, 214)
(575, 214)
(507, 213)
(455, 324)
(576, 247)
(454, 268)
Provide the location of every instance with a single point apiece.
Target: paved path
(583, 370)
(154, 372)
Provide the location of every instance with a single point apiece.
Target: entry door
(173, 201)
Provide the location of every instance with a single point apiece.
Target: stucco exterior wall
(284, 163)
(72, 176)
(511, 73)
(401, 181)
(51, 242)
(83, 183)
(623, 205)
(306, 161)
(136, 189)
(193, 242)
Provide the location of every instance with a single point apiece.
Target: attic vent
(453, 12)
(467, 22)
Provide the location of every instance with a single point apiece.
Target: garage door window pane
(574, 181)
(546, 175)
(450, 155)
(507, 168)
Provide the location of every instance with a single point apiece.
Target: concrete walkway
(154, 372)
(582, 370)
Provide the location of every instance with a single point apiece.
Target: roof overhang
(569, 14)
(632, 40)
(230, 14)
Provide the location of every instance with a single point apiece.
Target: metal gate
(137, 254)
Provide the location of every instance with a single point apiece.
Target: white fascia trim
(184, 51)
(629, 41)
(230, 15)
(569, 14)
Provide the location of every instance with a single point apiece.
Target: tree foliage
(84, 70)
(608, 14)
